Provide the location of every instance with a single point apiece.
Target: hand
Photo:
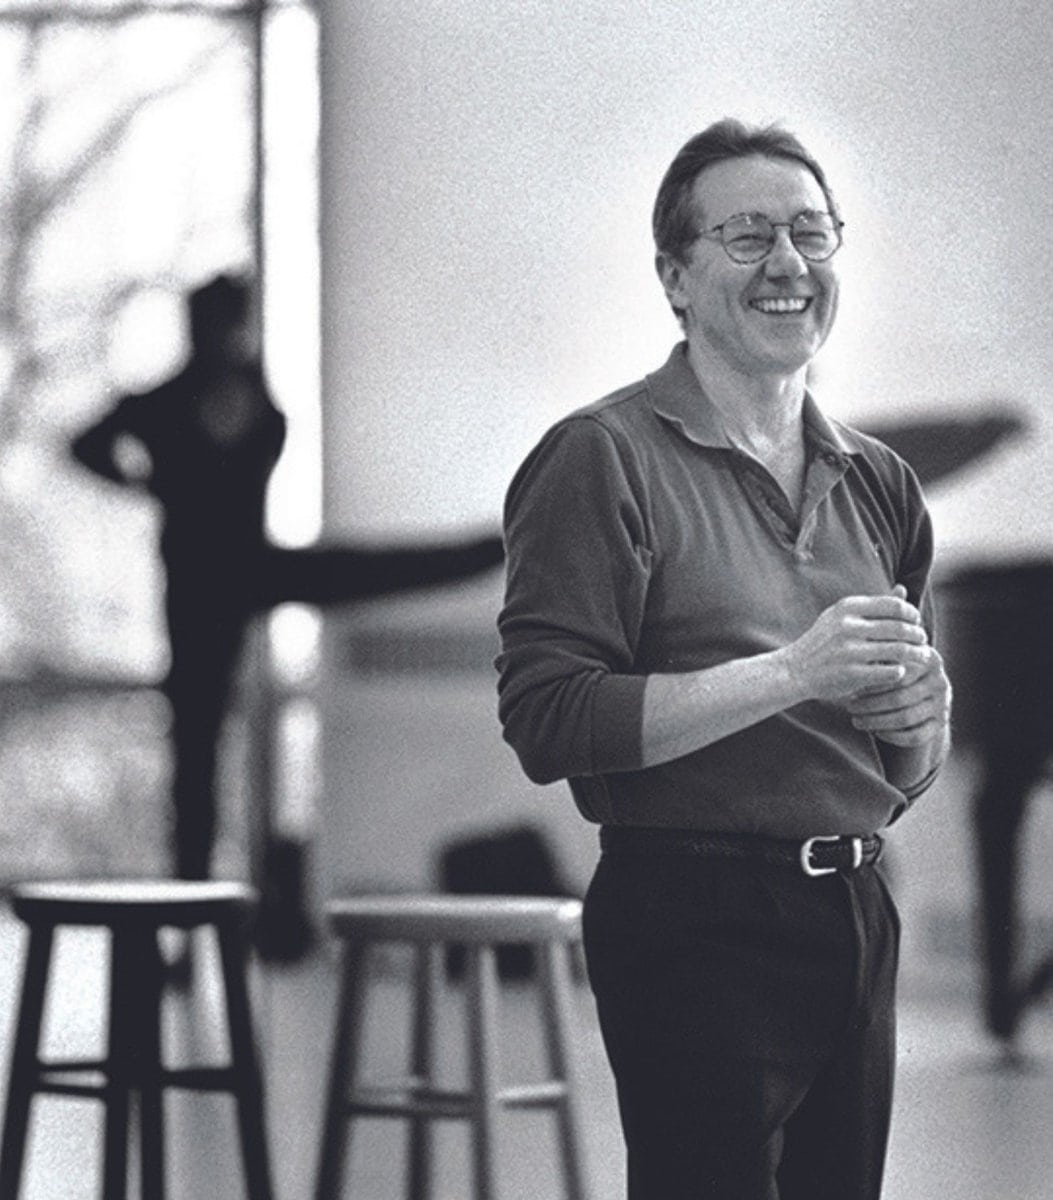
(912, 713)
(115, 455)
(859, 646)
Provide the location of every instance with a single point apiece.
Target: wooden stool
(431, 923)
(133, 912)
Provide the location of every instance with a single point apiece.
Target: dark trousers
(748, 1015)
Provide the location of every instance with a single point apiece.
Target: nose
(784, 261)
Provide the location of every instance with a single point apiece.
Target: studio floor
(968, 1126)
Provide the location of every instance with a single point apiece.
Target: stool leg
(343, 1069)
(482, 997)
(555, 990)
(149, 1068)
(420, 1150)
(120, 1067)
(234, 957)
(24, 1061)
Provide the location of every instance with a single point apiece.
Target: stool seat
(431, 924)
(109, 902)
(133, 911)
(473, 920)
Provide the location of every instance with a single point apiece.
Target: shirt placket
(796, 532)
(825, 469)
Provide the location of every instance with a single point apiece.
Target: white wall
(488, 171)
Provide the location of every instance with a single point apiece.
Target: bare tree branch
(107, 139)
(34, 202)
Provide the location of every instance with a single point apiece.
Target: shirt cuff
(923, 784)
(617, 724)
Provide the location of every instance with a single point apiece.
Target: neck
(758, 409)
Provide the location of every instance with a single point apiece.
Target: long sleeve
(578, 564)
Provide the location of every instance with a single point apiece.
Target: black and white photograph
(526, 600)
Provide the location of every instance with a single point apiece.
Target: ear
(671, 273)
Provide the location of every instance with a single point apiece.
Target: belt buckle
(806, 855)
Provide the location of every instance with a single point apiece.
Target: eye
(746, 244)
(812, 239)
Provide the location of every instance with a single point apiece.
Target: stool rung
(194, 1079)
(533, 1095)
(411, 1100)
(61, 1087)
(49, 1083)
(408, 1100)
(200, 1079)
(66, 1066)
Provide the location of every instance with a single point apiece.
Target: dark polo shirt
(639, 541)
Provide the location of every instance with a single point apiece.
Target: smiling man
(717, 627)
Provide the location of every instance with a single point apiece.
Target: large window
(144, 149)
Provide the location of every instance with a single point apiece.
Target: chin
(784, 363)
(794, 354)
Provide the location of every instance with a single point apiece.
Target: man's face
(730, 308)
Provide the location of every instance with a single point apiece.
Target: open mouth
(781, 305)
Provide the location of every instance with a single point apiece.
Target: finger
(914, 688)
(917, 735)
(914, 657)
(912, 722)
(885, 630)
(877, 607)
(890, 700)
(902, 707)
(897, 720)
(878, 678)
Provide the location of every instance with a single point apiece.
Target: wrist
(912, 768)
(785, 677)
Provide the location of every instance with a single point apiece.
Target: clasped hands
(871, 655)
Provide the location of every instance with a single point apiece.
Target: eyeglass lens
(751, 236)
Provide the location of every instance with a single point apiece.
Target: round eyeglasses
(750, 237)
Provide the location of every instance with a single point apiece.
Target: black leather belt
(814, 856)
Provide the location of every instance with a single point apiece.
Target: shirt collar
(677, 397)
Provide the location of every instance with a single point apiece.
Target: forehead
(779, 187)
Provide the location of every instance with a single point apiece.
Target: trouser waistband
(817, 855)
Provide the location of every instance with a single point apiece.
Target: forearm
(912, 768)
(685, 712)
(859, 644)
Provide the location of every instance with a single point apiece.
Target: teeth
(795, 304)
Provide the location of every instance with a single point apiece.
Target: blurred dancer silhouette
(204, 443)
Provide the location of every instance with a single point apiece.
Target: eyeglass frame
(837, 223)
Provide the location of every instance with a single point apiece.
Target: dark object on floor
(512, 862)
(284, 932)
